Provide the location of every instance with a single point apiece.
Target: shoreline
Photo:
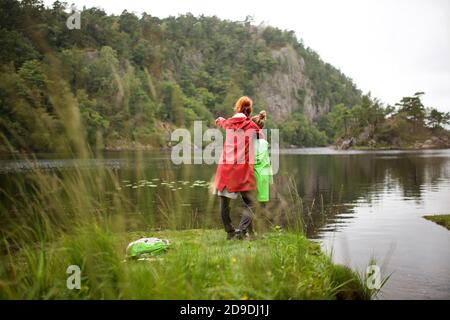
(397, 148)
(160, 149)
(440, 219)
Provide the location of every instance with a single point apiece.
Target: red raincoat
(235, 169)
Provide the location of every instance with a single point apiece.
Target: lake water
(360, 205)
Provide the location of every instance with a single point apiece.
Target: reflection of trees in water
(412, 172)
(330, 185)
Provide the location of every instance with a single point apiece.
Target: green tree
(339, 119)
(225, 108)
(129, 23)
(16, 48)
(299, 131)
(172, 104)
(131, 75)
(413, 108)
(436, 119)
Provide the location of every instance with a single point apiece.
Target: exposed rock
(287, 89)
(281, 91)
(346, 144)
(194, 59)
(433, 143)
(364, 136)
(92, 54)
(435, 140)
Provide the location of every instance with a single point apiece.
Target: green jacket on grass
(263, 170)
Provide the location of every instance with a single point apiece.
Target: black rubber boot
(239, 234)
(231, 235)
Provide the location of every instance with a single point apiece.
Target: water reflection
(358, 204)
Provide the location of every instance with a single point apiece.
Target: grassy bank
(200, 264)
(53, 219)
(443, 220)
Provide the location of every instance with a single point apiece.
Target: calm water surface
(361, 205)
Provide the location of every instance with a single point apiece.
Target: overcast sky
(392, 48)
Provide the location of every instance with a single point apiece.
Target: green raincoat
(263, 170)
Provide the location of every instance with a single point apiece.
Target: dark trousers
(247, 213)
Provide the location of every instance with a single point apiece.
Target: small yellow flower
(233, 260)
(244, 297)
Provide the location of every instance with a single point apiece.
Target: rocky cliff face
(288, 89)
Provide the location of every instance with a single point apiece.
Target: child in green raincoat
(262, 167)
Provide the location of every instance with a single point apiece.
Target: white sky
(392, 48)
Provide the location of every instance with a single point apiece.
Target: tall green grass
(52, 219)
(60, 218)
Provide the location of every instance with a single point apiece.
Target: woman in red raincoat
(235, 173)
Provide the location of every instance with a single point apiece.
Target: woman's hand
(219, 120)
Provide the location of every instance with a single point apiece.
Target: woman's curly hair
(244, 105)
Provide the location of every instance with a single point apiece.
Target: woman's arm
(259, 132)
(220, 121)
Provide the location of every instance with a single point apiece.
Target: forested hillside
(132, 78)
(126, 81)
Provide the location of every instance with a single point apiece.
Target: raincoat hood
(238, 122)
